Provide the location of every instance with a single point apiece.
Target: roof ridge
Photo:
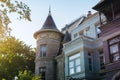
(72, 22)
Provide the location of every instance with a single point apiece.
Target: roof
(78, 21)
(49, 25)
(101, 4)
(73, 22)
(67, 37)
(91, 16)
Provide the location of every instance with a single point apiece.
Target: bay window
(74, 64)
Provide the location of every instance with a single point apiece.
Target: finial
(49, 10)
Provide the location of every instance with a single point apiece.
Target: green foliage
(25, 75)
(37, 78)
(11, 6)
(3, 79)
(15, 56)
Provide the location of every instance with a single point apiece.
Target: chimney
(89, 13)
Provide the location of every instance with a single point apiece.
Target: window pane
(42, 72)
(71, 64)
(98, 30)
(78, 69)
(114, 48)
(90, 60)
(117, 39)
(90, 67)
(72, 71)
(81, 32)
(42, 69)
(101, 59)
(77, 62)
(43, 50)
(74, 64)
(116, 57)
(74, 56)
(75, 35)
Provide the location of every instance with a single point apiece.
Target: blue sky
(63, 12)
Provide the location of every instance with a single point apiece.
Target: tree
(27, 75)
(11, 6)
(15, 56)
(37, 77)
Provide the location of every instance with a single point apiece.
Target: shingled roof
(67, 37)
(48, 25)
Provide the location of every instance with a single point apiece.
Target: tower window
(42, 72)
(43, 49)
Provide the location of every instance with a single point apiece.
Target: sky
(63, 12)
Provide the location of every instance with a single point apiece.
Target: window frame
(43, 52)
(81, 33)
(75, 65)
(75, 35)
(90, 61)
(102, 60)
(112, 42)
(98, 30)
(42, 72)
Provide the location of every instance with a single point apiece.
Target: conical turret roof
(49, 25)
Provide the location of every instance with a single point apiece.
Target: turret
(48, 43)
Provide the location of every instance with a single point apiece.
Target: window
(42, 72)
(75, 35)
(74, 64)
(81, 33)
(98, 30)
(90, 61)
(86, 30)
(102, 60)
(90, 64)
(114, 49)
(43, 50)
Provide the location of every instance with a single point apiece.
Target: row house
(82, 48)
(110, 37)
